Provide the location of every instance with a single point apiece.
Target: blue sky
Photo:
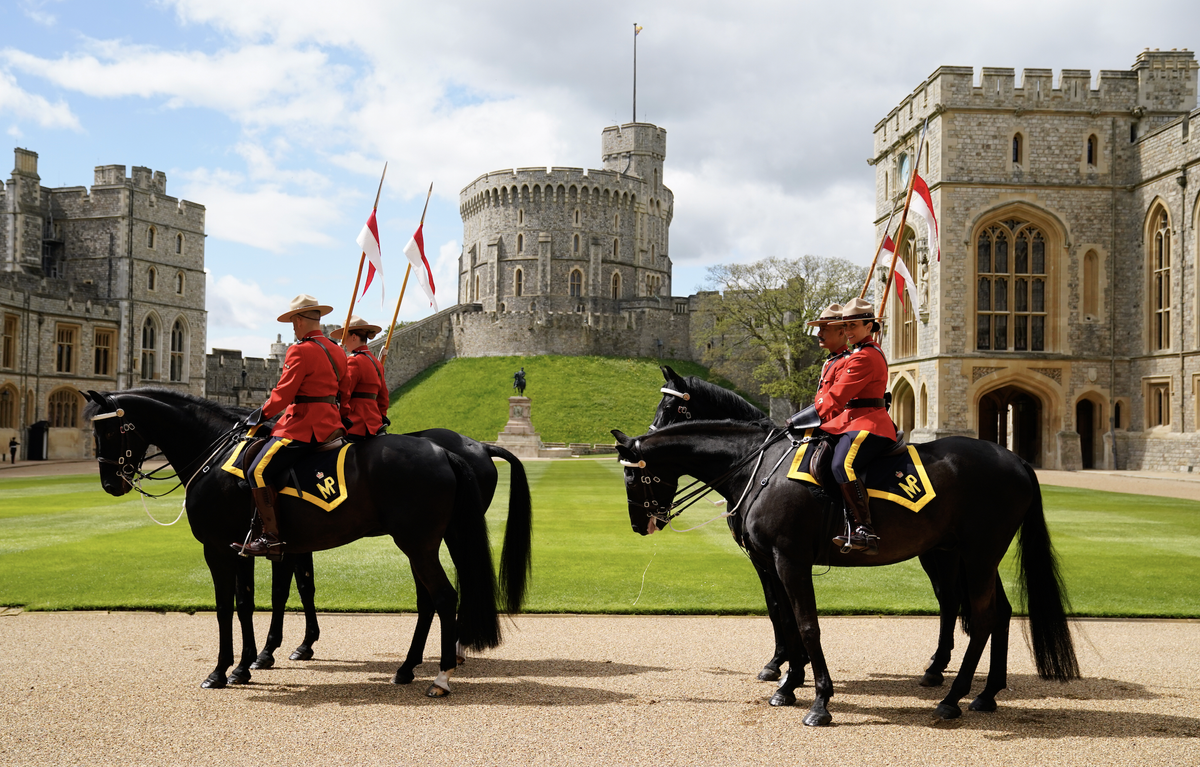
(278, 116)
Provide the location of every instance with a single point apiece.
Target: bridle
(681, 409)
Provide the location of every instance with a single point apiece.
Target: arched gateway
(1012, 416)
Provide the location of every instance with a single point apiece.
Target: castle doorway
(1012, 417)
(1089, 424)
(903, 406)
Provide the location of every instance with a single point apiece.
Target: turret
(637, 149)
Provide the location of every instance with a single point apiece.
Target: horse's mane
(214, 414)
(737, 408)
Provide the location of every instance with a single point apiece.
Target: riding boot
(862, 537)
(268, 543)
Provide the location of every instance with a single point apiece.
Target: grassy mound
(575, 399)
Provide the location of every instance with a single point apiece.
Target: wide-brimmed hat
(858, 309)
(831, 313)
(305, 303)
(357, 325)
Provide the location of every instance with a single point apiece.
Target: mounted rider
(314, 376)
(364, 412)
(832, 338)
(851, 404)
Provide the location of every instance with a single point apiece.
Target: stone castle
(1062, 318)
(100, 288)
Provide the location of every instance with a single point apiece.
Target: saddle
(897, 475)
(821, 462)
(317, 477)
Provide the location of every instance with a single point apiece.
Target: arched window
(149, 349)
(179, 283)
(904, 313)
(520, 243)
(150, 237)
(9, 399)
(62, 409)
(518, 282)
(1017, 148)
(577, 217)
(1091, 285)
(616, 285)
(924, 407)
(575, 247)
(152, 279)
(177, 358)
(616, 247)
(576, 283)
(179, 243)
(1091, 150)
(656, 178)
(1011, 295)
(616, 221)
(1160, 280)
(520, 217)
(476, 298)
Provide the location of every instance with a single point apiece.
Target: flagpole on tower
(636, 29)
(361, 260)
(403, 285)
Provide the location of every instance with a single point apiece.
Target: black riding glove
(254, 419)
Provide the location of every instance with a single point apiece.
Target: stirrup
(270, 547)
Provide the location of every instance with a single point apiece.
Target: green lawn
(65, 544)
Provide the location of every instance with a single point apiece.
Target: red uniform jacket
(314, 367)
(368, 402)
(861, 375)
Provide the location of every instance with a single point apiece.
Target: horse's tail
(1041, 587)
(515, 563)
(467, 541)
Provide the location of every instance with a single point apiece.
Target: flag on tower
(902, 276)
(636, 29)
(415, 250)
(368, 241)
(922, 205)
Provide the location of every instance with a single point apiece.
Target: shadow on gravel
(466, 692)
(1020, 687)
(477, 667)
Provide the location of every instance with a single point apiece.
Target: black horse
(985, 494)
(694, 398)
(516, 536)
(405, 487)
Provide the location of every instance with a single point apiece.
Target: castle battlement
(556, 185)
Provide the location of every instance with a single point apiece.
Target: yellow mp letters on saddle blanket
(900, 479)
(322, 475)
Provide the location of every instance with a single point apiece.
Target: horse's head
(673, 407)
(119, 448)
(649, 494)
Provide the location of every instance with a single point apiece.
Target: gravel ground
(123, 688)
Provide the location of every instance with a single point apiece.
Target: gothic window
(1091, 285)
(520, 243)
(8, 354)
(1160, 281)
(177, 344)
(66, 340)
(616, 285)
(616, 247)
(1158, 402)
(150, 238)
(149, 348)
(151, 278)
(577, 217)
(518, 282)
(616, 221)
(924, 406)
(575, 247)
(63, 409)
(102, 352)
(521, 217)
(179, 243)
(8, 409)
(903, 311)
(1011, 294)
(1017, 148)
(476, 296)
(179, 283)
(576, 283)
(1091, 150)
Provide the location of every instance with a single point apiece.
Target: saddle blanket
(897, 478)
(321, 476)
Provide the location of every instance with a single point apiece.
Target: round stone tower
(569, 240)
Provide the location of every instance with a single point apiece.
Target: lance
(387, 344)
(361, 260)
(887, 287)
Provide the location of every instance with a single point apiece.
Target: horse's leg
(796, 578)
(997, 679)
(783, 623)
(245, 611)
(983, 610)
(223, 569)
(942, 569)
(306, 587)
(428, 569)
(281, 587)
(416, 651)
(772, 670)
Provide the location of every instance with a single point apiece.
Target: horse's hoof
(932, 679)
(303, 652)
(403, 676)
(769, 674)
(817, 718)
(239, 676)
(436, 692)
(215, 681)
(983, 704)
(781, 698)
(264, 660)
(947, 711)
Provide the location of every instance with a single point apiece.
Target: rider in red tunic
(366, 408)
(313, 378)
(854, 408)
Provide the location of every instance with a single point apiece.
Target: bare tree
(753, 324)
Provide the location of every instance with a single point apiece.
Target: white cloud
(234, 303)
(23, 105)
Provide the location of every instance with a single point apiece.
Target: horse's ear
(622, 440)
(87, 395)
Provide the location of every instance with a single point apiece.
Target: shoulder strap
(374, 364)
(336, 373)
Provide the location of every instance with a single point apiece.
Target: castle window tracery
(151, 279)
(150, 238)
(518, 282)
(66, 340)
(616, 286)
(1160, 280)
(102, 350)
(149, 349)
(177, 344)
(903, 311)
(576, 283)
(1011, 293)
(63, 409)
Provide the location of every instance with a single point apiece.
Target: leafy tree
(753, 323)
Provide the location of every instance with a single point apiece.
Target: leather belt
(364, 395)
(301, 399)
(864, 402)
